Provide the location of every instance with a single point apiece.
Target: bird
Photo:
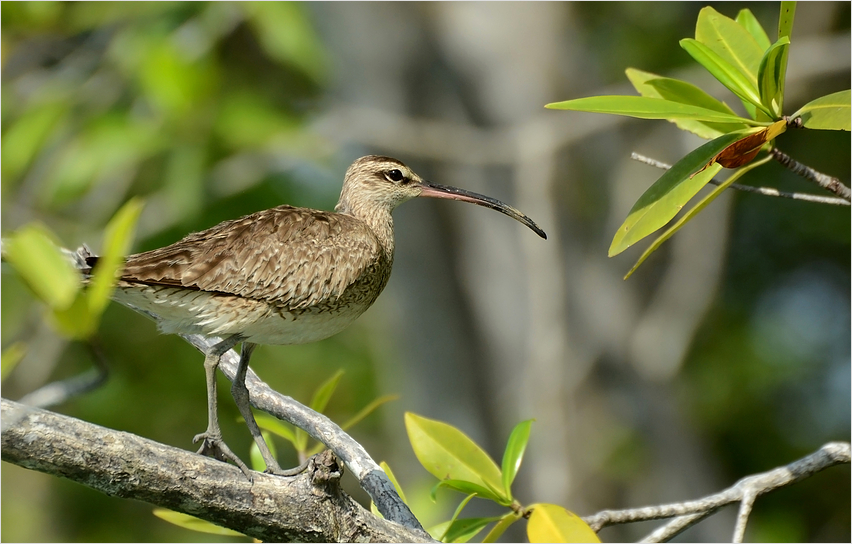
(285, 275)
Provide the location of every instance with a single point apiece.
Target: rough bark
(310, 507)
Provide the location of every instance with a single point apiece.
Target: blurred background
(726, 354)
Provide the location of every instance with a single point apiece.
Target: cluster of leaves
(73, 310)
(739, 54)
(462, 465)
(102, 101)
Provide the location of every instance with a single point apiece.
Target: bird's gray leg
(241, 397)
(213, 445)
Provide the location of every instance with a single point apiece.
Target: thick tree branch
(309, 507)
(744, 491)
(370, 475)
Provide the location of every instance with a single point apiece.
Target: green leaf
(468, 488)
(394, 481)
(785, 19)
(11, 357)
(771, 76)
(456, 514)
(694, 211)
(324, 392)
(829, 112)
(671, 192)
(727, 74)
(654, 86)
(514, 454)
(462, 530)
(319, 401)
(748, 21)
(275, 426)
(449, 454)
(286, 33)
(354, 420)
(77, 321)
(730, 40)
(552, 523)
(256, 458)
(118, 237)
(80, 320)
(26, 136)
(33, 252)
(501, 526)
(367, 410)
(192, 523)
(646, 108)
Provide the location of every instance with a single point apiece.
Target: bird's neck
(377, 218)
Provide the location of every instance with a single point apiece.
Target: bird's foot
(213, 446)
(295, 471)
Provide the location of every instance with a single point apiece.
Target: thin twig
(766, 191)
(828, 183)
(675, 527)
(742, 516)
(62, 390)
(745, 490)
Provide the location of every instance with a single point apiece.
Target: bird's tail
(82, 259)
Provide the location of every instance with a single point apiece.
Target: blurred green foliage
(201, 109)
(198, 108)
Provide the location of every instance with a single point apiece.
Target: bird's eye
(394, 175)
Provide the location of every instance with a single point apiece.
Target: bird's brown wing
(292, 256)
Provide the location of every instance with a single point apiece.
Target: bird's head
(382, 183)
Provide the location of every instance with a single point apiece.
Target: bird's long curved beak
(443, 191)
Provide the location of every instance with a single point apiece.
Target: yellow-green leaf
(742, 85)
(449, 454)
(661, 202)
(643, 107)
(462, 530)
(275, 426)
(830, 112)
(456, 515)
(748, 21)
(319, 401)
(552, 523)
(324, 392)
(675, 90)
(367, 410)
(11, 357)
(118, 237)
(688, 216)
(771, 76)
(354, 420)
(32, 251)
(730, 40)
(256, 458)
(469, 488)
(394, 481)
(514, 453)
(192, 523)
(500, 527)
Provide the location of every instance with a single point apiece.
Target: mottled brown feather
(291, 257)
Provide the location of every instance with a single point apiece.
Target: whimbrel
(281, 276)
